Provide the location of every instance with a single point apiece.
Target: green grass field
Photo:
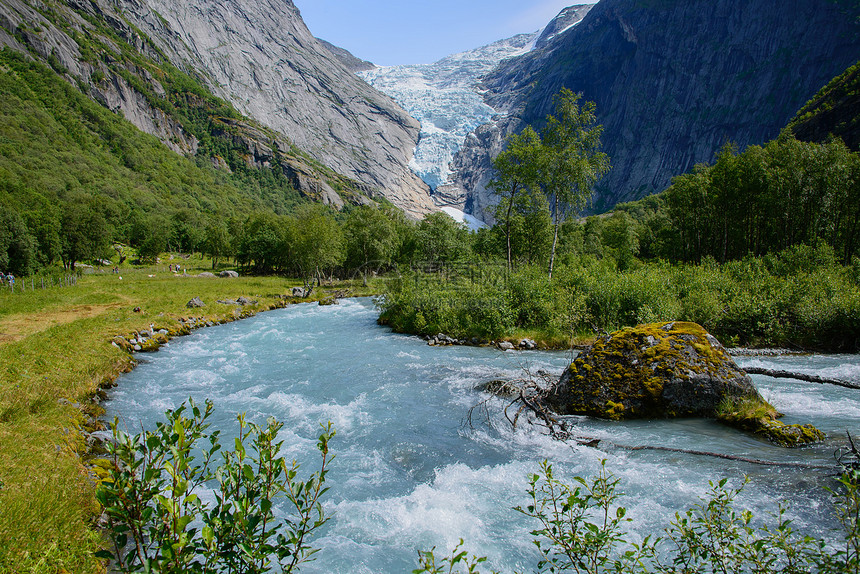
(55, 354)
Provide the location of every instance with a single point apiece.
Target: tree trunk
(554, 236)
(508, 223)
(801, 377)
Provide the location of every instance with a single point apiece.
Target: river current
(410, 473)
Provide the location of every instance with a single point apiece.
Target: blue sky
(393, 32)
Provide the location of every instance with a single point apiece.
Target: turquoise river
(411, 474)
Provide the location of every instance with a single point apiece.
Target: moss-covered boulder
(651, 371)
(760, 418)
(662, 370)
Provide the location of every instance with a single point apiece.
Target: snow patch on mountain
(472, 223)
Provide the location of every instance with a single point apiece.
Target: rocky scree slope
(673, 82)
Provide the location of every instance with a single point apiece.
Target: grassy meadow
(55, 354)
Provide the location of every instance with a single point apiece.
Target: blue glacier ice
(445, 97)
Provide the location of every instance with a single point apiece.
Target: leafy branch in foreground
(567, 540)
(158, 521)
(447, 564)
(581, 530)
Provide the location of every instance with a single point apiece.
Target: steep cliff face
(673, 81)
(260, 56)
(325, 127)
(48, 33)
(346, 58)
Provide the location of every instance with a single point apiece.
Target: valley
(628, 162)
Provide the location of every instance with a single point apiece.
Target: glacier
(446, 98)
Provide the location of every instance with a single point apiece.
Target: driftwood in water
(801, 377)
(530, 398)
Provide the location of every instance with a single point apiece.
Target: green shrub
(580, 528)
(158, 522)
(799, 298)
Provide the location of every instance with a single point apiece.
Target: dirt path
(17, 327)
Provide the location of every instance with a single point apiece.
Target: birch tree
(571, 161)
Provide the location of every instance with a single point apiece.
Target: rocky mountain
(301, 101)
(447, 99)
(352, 63)
(261, 56)
(673, 81)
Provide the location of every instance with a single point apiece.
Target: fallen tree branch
(801, 377)
(719, 455)
(595, 442)
(531, 398)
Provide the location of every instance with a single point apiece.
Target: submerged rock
(662, 370)
(501, 388)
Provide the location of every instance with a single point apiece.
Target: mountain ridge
(673, 82)
(320, 112)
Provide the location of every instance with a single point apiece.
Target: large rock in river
(658, 370)
(672, 369)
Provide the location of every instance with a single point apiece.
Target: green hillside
(835, 110)
(63, 156)
(77, 178)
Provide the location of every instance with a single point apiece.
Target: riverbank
(59, 350)
(800, 299)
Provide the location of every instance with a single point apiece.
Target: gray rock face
(23, 28)
(346, 58)
(258, 56)
(473, 166)
(563, 22)
(673, 82)
(261, 57)
(652, 371)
